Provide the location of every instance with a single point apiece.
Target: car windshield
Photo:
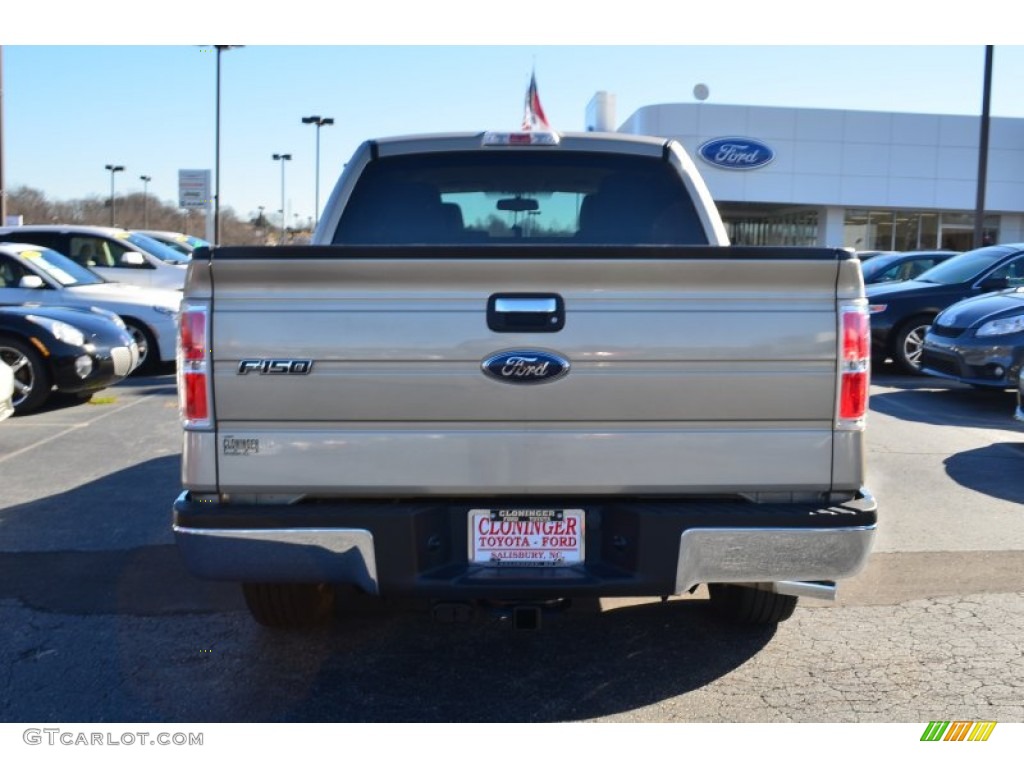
(158, 249)
(180, 247)
(965, 267)
(525, 198)
(59, 267)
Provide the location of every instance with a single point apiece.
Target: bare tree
(131, 210)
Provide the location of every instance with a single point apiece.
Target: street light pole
(216, 172)
(282, 158)
(3, 189)
(113, 169)
(979, 202)
(318, 122)
(145, 200)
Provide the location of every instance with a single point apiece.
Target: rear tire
(750, 606)
(290, 606)
(32, 383)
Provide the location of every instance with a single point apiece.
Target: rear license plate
(545, 537)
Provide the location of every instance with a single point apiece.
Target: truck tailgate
(689, 375)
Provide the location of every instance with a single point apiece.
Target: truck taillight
(193, 335)
(854, 366)
(193, 368)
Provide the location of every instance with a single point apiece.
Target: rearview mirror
(994, 284)
(518, 204)
(31, 281)
(132, 259)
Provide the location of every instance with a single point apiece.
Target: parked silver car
(115, 254)
(32, 274)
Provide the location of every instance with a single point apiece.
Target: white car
(116, 254)
(6, 390)
(32, 274)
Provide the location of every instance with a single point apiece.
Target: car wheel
(289, 606)
(32, 383)
(748, 605)
(149, 354)
(909, 343)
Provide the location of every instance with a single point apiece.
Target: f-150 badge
(275, 367)
(525, 367)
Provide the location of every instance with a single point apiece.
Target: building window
(752, 224)
(895, 230)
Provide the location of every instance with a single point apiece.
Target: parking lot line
(73, 427)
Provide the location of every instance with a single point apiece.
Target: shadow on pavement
(117, 630)
(122, 510)
(991, 409)
(584, 666)
(995, 470)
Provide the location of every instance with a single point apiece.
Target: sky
(150, 105)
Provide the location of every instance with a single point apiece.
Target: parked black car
(896, 267)
(978, 341)
(69, 350)
(901, 313)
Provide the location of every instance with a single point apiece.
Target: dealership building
(863, 180)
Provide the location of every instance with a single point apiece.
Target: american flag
(533, 113)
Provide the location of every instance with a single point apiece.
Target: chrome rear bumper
(734, 555)
(396, 550)
(299, 556)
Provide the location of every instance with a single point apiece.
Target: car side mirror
(994, 284)
(31, 281)
(132, 259)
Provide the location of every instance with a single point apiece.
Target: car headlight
(1002, 326)
(61, 331)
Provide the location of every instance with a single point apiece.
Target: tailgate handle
(525, 312)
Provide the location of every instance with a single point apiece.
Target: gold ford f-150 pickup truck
(523, 367)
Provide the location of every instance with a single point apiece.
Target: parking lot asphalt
(104, 623)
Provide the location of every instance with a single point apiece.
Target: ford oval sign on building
(736, 154)
(525, 367)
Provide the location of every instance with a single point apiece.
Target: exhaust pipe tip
(820, 590)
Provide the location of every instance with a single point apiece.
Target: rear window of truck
(519, 197)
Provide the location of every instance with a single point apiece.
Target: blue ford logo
(525, 367)
(736, 154)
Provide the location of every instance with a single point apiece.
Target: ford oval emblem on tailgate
(525, 367)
